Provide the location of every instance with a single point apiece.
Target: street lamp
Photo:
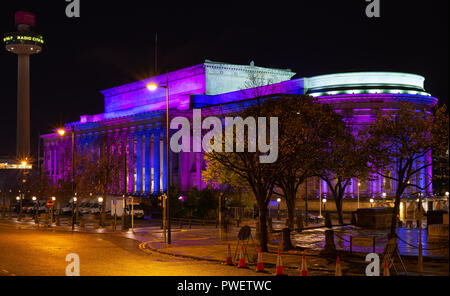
(371, 202)
(278, 213)
(74, 204)
(359, 185)
(324, 201)
(20, 208)
(153, 87)
(62, 132)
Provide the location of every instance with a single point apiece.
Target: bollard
(69, 222)
(96, 224)
(328, 223)
(58, 222)
(330, 247)
(82, 223)
(299, 223)
(353, 222)
(270, 224)
(286, 243)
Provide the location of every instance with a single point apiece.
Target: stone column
(156, 163)
(164, 166)
(147, 162)
(139, 162)
(429, 174)
(130, 160)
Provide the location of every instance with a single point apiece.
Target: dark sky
(112, 43)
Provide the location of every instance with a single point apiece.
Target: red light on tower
(24, 17)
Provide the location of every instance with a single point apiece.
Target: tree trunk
(394, 217)
(263, 228)
(338, 201)
(290, 202)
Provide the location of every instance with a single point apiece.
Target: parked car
(95, 209)
(137, 209)
(67, 209)
(84, 208)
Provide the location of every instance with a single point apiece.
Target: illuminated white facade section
(366, 78)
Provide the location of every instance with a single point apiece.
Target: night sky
(112, 43)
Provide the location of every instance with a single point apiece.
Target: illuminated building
(133, 123)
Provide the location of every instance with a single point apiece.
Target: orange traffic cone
(338, 267)
(242, 258)
(229, 260)
(304, 270)
(260, 264)
(386, 269)
(279, 269)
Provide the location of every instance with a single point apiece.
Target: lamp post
(324, 201)
(74, 204)
(19, 199)
(100, 201)
(446, 194)
(153, 87)
(36, 208)
(61, 133)
(371, 202)
(359, 185)
(278, 212)
(53, 208)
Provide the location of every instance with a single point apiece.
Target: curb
(145, 245)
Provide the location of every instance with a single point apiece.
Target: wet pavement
(408, 241)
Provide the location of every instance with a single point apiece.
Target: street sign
(50, 204)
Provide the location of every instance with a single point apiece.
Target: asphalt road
(25, 251)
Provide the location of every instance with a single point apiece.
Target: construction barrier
(260, 264)
(304, 267)
(279, 268)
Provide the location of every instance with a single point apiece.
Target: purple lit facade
(134, 120)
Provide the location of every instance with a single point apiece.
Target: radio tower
(24, 42)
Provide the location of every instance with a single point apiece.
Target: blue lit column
(156, 164)
(131, 162)
(429, 174)
(164, 166)
(139, 162)
(147, 162)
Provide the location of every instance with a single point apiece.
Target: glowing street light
(34, 198)
(100, 199)
(371, 202)
(61, 132)
(53, 198)
(384, 194)
(18, 198)
(153, 87)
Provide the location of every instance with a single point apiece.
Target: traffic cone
(260, 264)
(304, 270)
(279, 269)
(338, 267)
(229, 260)
(386, 269)
(242, 258)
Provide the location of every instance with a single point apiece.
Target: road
(25, 251)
